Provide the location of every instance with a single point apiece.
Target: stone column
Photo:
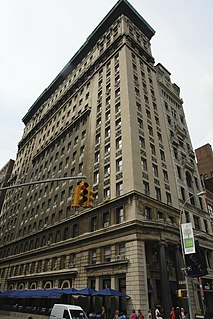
(165, 286)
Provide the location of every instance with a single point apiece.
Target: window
(98, 139)
(106, 193)
(119, 215)
(97, 157)
(96, 177)
(142, 142)
(119, 165)
(106, 170)
(107, 132)
(147, 213)
(157, 193)
(107, 149)
(168, 199)
(152, 148)
(165, 175)
(150, 130)
(146, 188)
(188, 179)
(162, 155)
(159, 215)
(63, 262)
(140, 124)
(119, 189)
(179, 172)
(93, 256)
(107, 254)
(143, 164)
(121, 250)
(118, 143)
(75, 230)
(206, 225)
(106, 219)
(197, 222)
(94, 223)
(155, 170)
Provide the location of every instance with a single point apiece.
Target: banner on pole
(195, 265)
(188, 238)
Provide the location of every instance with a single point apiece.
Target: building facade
(204, 157)
(116, 117)
(5, 174)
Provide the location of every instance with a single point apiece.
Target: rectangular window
(106, 219)
(119, 215)
(155, 170)
(93, 256)
(107, 254)
(75, 230)
(119, 189)
(143, 164)
(146, 188)
(119, 165)
(94, 223)
(158, 193)
(147, 213)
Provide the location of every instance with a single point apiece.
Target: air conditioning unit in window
(118, 257)
(72, 265)
(48, 242)
(106, 224)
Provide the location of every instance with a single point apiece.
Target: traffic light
(76, 196)
(90, 199)
(82, 195)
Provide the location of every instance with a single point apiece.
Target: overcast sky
(39, 37)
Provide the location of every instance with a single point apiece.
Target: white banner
(188, 238)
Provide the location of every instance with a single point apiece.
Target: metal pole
(184, 269)
(43, 181)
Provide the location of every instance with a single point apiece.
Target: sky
(39, 37)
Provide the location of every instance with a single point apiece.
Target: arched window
(188, 179)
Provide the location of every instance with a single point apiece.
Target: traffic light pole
(43, 181)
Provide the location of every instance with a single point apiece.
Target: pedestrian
(149, 314)
(133, 315)
(185, 315)
(122, 316)
(177, 313)
(159, 316)
(157, 312)
(116, 315)
(140, 314)
(172, 313)
(103, 313)
(182, 310)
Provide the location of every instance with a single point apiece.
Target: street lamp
(182, 250)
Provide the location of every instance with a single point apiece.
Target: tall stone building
(5, 174)
(116, 117)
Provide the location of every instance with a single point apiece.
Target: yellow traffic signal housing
(82, 196)
(76, 197)
(91, 198)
